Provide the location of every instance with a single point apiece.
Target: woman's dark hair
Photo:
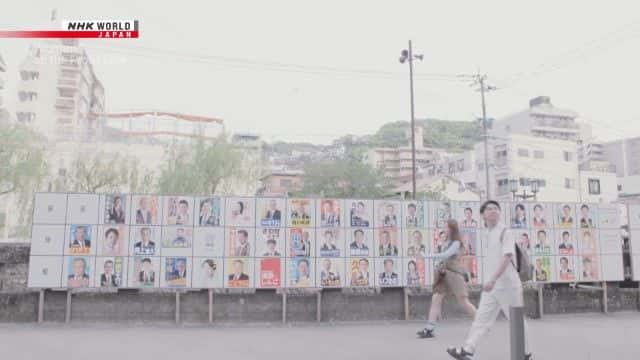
(106, 234)
(412, 263)
(454, 231)
(520, 206)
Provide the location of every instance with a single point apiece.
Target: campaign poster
(178, 210)
(609, 216)
(438, 240)
(440, 212)
(177, 241)
(271, 212)
(588, 242)
(210, 211)
(47, 240)
(360, 272)
(330, 211)
(240, 242)
(270, 272)
(470, 242)
(113, 240)
(566, 242)
(519, 216)
(144, 271)
(301, 242)
(359, 213)
(80, 240)
(176, 272)
(207, 272)
(388, 242)
(543, 243)
(388, 273)
(301, 213)
(45, 271)
(145, 240)
(565, 216)
(111, 272)
(208, 241)
(239, 272)
(525, 239)
(589, 268)
(587, 216)
(146, 210)
(472, 266)
(79, 271)
(270, 242)
(330, 242)
(387, 213)
(541, 215)
(415, 242)
(330, 273)
(300, 272)
(115, 208)
(81, 209)
(414, 214)
(542, 269)
(51, 209)
(566, 268)
(240, 212)
(360, 242)
(468, 215)
(610, 242)
(415, 272)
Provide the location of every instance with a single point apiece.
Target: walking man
(502, 288)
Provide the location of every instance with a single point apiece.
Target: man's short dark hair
(468, 209)
(584, 206)
(487, 203)
(520, 206)
(243, 232)
(388, 261)
(565, 233)
(328, 232)
(271, 241)
(183, 201)
(146, 260)
(108, 262)
(365, 260)
(542, 232)
(412, 205)
(565, 259)
(359, 231)
(586, 261)
(537, 206)
(566, 207)
(303, 261)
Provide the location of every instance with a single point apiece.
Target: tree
(199, 167)
(105, 172)
(22, 164)
(343, 178)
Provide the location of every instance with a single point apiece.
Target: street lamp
(407, 56)
(534, 187)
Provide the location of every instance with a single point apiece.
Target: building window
(503, 186)
(619, 187)
(538, 154)
(569, 183)
(594, 186)
(285, 183)
(523, 152)
(568, 156)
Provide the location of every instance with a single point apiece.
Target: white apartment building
(625, 156)
(553, 163)
(543, 119)
(58, 91)
(396, 163)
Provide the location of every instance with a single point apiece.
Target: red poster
(270, 273)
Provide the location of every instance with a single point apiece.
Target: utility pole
(407, 56)
(480, 80)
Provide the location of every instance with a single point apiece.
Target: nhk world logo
(87, 29)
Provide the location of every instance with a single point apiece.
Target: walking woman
(450, 278)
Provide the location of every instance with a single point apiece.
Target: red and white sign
(83, 29)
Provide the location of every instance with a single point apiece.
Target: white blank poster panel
(50, 208)
(45, 271)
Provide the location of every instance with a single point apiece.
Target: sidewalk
(570, 337)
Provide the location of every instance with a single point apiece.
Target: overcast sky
(216, 58)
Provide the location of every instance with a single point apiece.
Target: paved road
(593, 336)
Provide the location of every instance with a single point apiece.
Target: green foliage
(199, 167)
(452, 136)
(22, 164)
(344, 178)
